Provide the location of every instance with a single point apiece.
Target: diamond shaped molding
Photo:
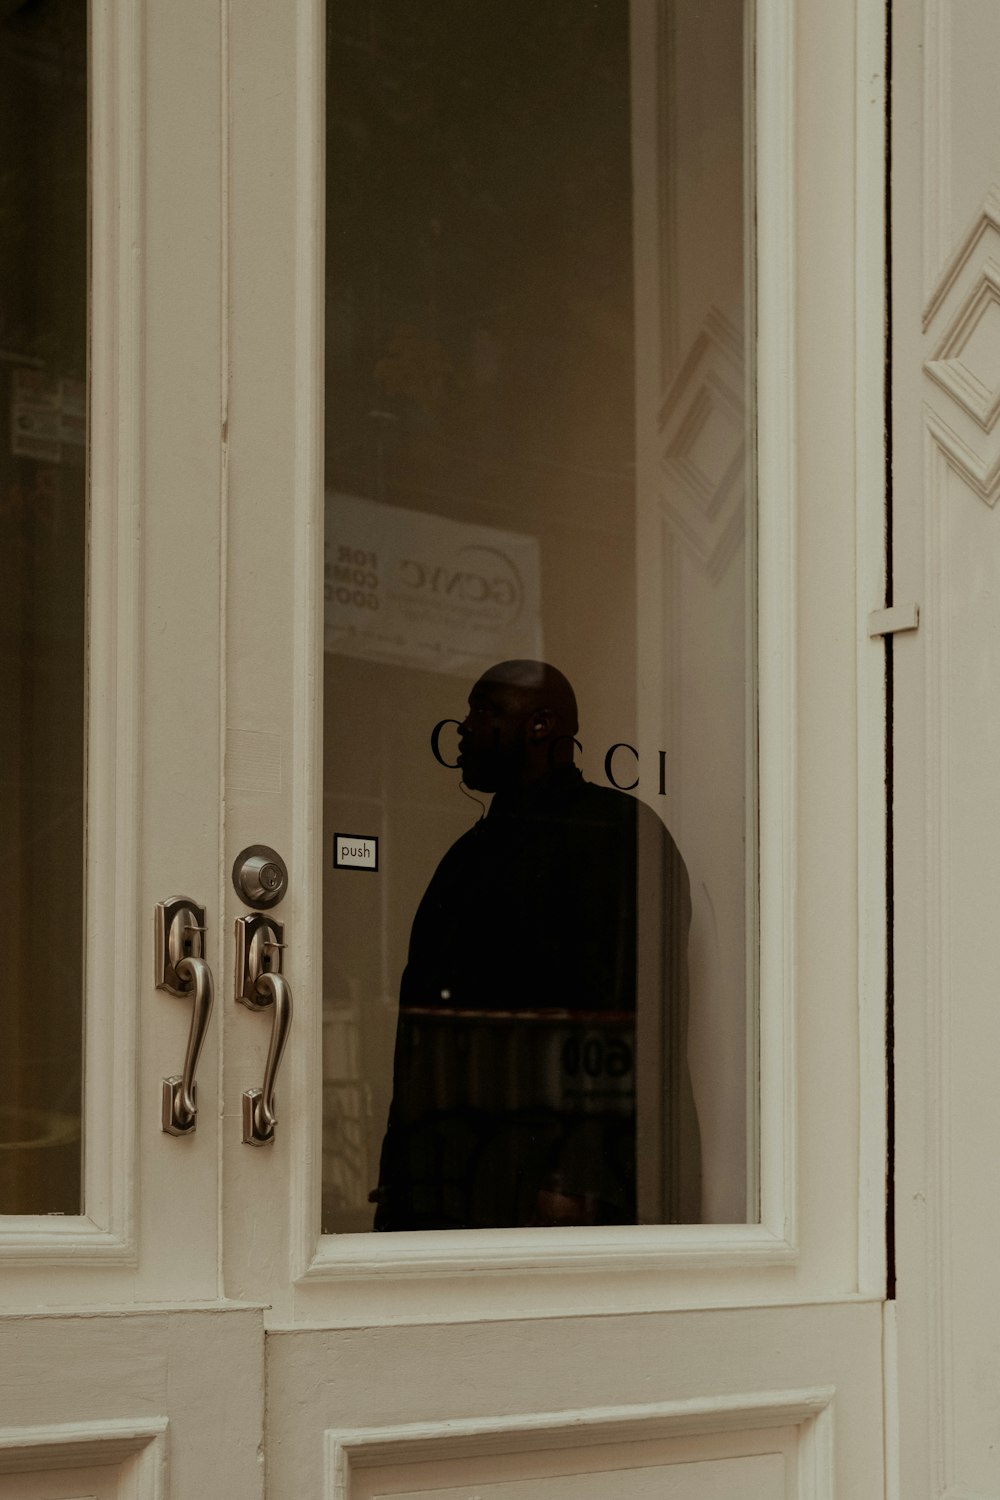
(703, 446)
(963, 367)
(966, 363)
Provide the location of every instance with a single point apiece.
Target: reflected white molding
(810, 1410)
(106, 1232)
(702, 492)
(137, 1447)
(777, 596)
(667, 135)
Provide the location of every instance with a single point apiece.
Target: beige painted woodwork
(119, 1367)
(135, 1405)
(695, 1361)
(946, 353)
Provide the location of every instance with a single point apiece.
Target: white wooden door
(124, 1374)
(739, 1353)
(706, 1357)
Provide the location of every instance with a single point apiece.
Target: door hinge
(892, 621)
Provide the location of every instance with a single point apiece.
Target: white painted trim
(106, 1232)
(307, 730)
(225, 367)
(612, 1249)
(817, 1457)
(980, 471)
(74, 1444)
(871, 564)
(777, 601)
(751, 586)
(114, 789)
(351, 1449)
(933, 1061)
(53, 1309)
(50, 1239)
(890, 1401)
(465, 1301)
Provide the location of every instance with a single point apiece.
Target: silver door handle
(259, 1116)
(181, 970)
(260, 985)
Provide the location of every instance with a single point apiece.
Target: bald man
(514, 1084)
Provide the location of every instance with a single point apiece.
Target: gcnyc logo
(622, 759)
(483, 578)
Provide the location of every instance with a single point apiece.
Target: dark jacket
(550, 945)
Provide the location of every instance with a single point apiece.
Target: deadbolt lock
(260, 876)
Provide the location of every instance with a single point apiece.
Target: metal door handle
(181, 970)
(259, 1116)
(260, 985)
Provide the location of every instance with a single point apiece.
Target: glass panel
(539, 793)
(43, 339)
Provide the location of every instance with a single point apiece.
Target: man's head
(520, 725)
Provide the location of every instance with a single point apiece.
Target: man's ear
(541, 724)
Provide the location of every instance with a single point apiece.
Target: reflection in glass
(514, 1088)
(535, 1009)
(43, 331)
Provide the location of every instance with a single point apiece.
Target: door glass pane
(43, 506)
(539, 785)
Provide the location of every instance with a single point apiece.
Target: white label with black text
(354, 852)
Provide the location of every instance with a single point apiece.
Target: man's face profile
(520, 725)
(492, 750)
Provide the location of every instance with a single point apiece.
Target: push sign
(353, 851)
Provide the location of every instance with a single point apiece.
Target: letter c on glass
(609, 773)
(436, 743)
